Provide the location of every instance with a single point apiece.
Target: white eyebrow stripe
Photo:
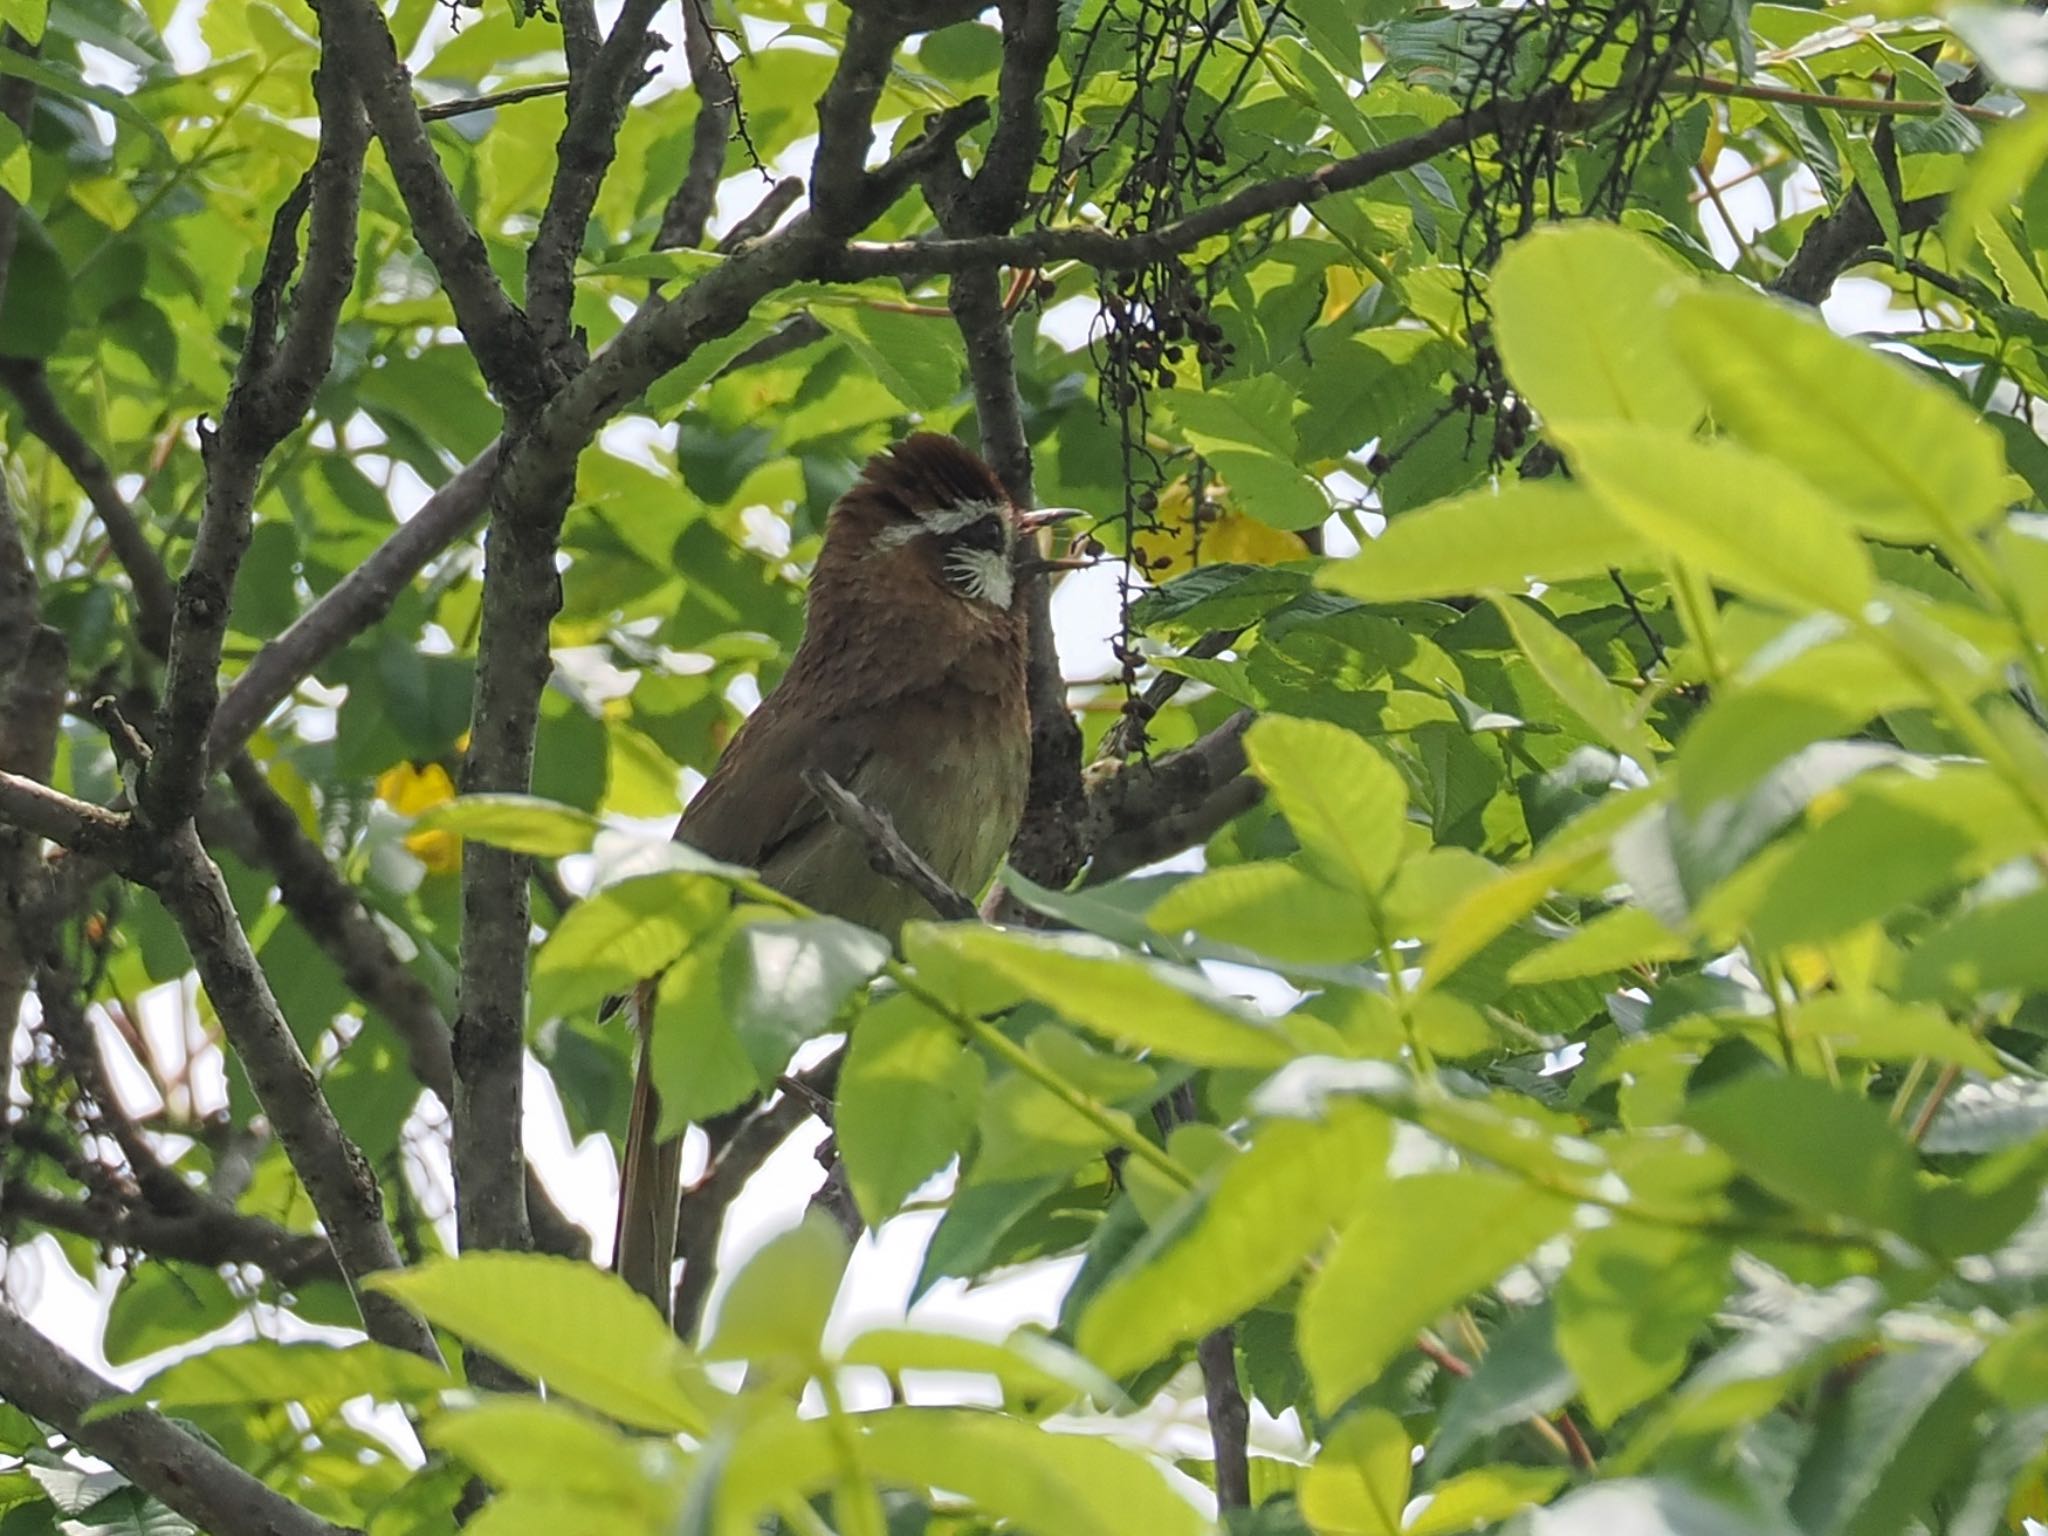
(939, 521)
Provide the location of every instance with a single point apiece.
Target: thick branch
(1141, 809)
(1835, 242)
(1103, 248)
(209, 1235)
(332, 912)
(275, 382)
(499, 335)
(338, 1179)
(31, 710)
(74, 824)
(175, 1466)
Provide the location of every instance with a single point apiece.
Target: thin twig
(888, 853)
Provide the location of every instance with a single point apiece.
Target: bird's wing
(755, 803)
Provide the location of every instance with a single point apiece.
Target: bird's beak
(1044, 567)
(1046, 517)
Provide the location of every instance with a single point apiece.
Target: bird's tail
(650, 1179)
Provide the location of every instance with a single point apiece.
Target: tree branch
(31, 711)
(274, 384)
(887, 852)
(338, 1179)
(29, 383)
(210, 1234)
(598, 95)
(506, 346)
(333, 913)
(1142, 810)
(74, 824)
(352, 605)
(688, 212)
(1103, 248)
(173, 1465)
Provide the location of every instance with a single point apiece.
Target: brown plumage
(908, 688)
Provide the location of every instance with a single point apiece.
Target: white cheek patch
(983, 574)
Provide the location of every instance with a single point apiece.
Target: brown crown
(929, 469)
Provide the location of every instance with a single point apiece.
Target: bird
(908, 688)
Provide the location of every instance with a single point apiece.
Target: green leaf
(160, 1304)
(1815, 1146)
(1743, 519)
(1610, 942)
(1032, 1368)
(701, 1068)
(583, 1332)
(918, 359)
(1904, 457)
(1414, 1248)
(265, 1371)
(907, 1098)
(1525, 532)
(786, 981)
(1245, 432)
(1358, 1484)
(1572, 676)
(1075, 1485)
(621, 935)
(1876, 1028)
(777, 1307)
(521, 1443)
(1272, 907)
(1628, 1308)
(1485, 1496)
(1579, 311)
(1235, 1241)
(523, 823)
(1885, 1447)
(1112, 993)
(1344, 800)
(1989, 948)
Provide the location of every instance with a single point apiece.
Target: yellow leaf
(411, 789)
(1341, 289)
(1215, 535)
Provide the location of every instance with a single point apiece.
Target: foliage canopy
(1608, 699)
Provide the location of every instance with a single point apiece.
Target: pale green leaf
(1358, 1485)
(523, 823)
(1586, 690)
(907, 1098)
(582, 1331)
(1112, 993)
(1629, 1306)
(1414, 1248)
(1526, 531)
(779, 1301)
(1485, 1496)
(1902, 456)
(620, 935)
(1272, 907)
(1579, 311)
(1235, 1240)
(785, 982)
(1344, 800)
(1745, 520)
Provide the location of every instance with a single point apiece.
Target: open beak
(1046, 517)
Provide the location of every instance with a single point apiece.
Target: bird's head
(929, 521)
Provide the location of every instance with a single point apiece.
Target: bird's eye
(983, 533)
